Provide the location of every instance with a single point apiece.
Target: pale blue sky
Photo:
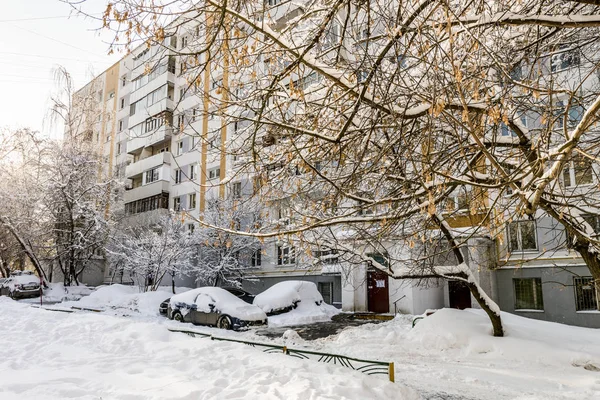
(33, 43)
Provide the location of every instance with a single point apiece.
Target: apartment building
(168, 140)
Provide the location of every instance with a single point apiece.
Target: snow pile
(57, 292)
(124, 299)
(454, 352)
(223, 301)
(469, 333)
(47, 355)
(308, 302)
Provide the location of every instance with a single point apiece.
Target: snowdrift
(124, 299)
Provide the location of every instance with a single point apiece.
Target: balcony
(137, 168)
(149, 190)
(134, 145)
(144, 112)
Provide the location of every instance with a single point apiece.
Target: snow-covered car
(240, 293)
(163, 308)
(285, 296)
(215, 307)
(21, 286)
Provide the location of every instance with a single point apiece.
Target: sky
(37, 36)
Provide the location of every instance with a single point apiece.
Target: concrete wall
(93, 275)
(557, 291)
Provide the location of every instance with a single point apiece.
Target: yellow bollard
(391, 372)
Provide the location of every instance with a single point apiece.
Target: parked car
(214, 306)
(20, 286)
(285, 296)
(163, 307)
(239, 293)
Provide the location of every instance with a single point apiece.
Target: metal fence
(368, 367)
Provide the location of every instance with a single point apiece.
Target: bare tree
(225, 257)
(152, 249)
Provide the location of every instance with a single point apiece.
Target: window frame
(571, 169)
(536, 288)
(520, 238)
(286, 255)
(192, 201)
(578, 284)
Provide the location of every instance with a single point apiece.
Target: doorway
(378, 292)
(459, 294)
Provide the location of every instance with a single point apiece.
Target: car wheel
(224, 322)
(177, 316)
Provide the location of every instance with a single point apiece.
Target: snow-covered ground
(453, 352)
(49, 355)
(448, 355)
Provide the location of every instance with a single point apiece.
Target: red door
(378, 293)
(460, 295)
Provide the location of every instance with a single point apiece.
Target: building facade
(165, 136)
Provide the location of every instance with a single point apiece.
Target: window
(153, 124)
(177, 203)
(120, 125)
(528, 294)
(326, 290)
(274, 2)
(180, 147)
(361, 76)
(506, 131)
(214, 173)
(286, 255)
(178, 175)
(192, 201)
(594, 221)
(284, 214)
(193, 171)
(236, 190)
(459, 201)
(522, 236)
(122, 103)
(191, 228)
(118, 148)
(564, 59)
(123, 81)
(578, 171)
(132, 109)
(180, 122)
(327, 257)
(152, 175)
(184, 41)
(586, 294)
(256, 259)
(331, 36)
(217, 83)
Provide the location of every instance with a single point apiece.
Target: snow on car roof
(285, 294)
(25, 279)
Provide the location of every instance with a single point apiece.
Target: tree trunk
(493, 315)
(476, 291)
(26, 249)
(173, 283)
